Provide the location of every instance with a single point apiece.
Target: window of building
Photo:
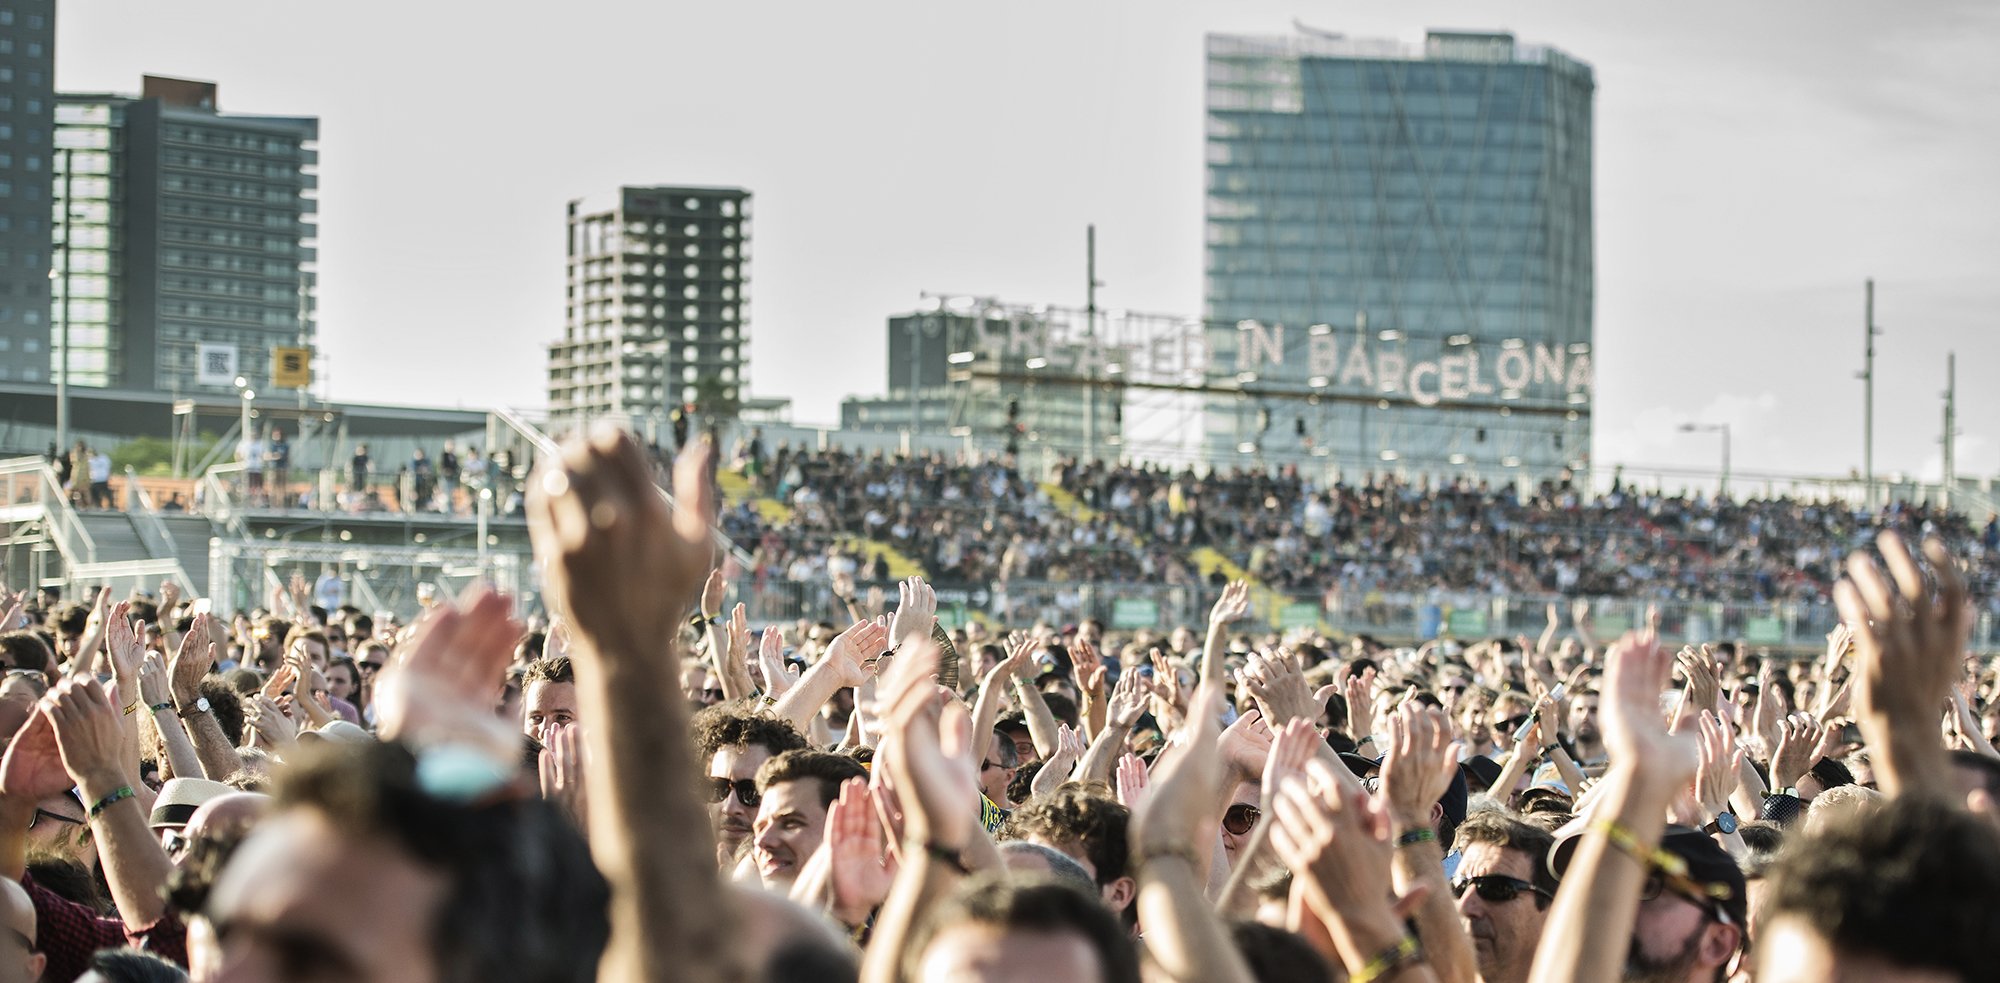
(691, 291)
(691, 230)
(691, 250)
(31, 345)
(690, 271)
(690, 312)
(693, 204)
(729, 209)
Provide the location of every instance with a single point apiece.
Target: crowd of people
(448, 483)
(990, 523)
(639, 784)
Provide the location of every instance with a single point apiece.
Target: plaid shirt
(70, 933)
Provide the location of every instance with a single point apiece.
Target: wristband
(131, 708)
(1422, 834)
(165, 705)
(1166, 851)
(1403, 953)
(954, 859)
(122, 792)
(769, 702)
(1669, 865)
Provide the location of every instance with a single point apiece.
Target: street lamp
(1723, 429)
(243, 389)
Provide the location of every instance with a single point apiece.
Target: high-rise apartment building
(189, 238)
(658, 308)
(1398, 252)
(27, 114)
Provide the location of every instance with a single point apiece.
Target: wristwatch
(1724, 823)
(200, 706)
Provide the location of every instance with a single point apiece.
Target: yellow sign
(291, 368)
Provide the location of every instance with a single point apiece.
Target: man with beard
(1587, 742)
(1689, 928)
(794, 790)
(731, 743)
(1504, 887)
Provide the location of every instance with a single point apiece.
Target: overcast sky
(1754, 163)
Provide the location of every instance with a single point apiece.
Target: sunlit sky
(1755, 162)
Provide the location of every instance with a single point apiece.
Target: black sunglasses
(1496, 888)
(41, 814)
(745, 789)
(371, 666)
(1241, 818)
(1512, 724)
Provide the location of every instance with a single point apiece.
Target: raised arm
(1907, 648)
(1418, 769)
(1041, 721)
(158, 698)
(197, 652)
(1126, 706)
(1233, 603)
(625, 571)
(1589, 927)
(1170, 842)
(89, 737)
(993, 691)
(846, 663)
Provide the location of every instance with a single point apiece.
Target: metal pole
(916, 368)
(1868, 403)
(62, 338)
(1090, 332)
(1950, 424)
(1725, 460)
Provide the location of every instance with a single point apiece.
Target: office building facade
(1399, 268)
(27, 123)
(657, 315)
(191, 240)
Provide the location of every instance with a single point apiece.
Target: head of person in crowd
(1023, 857)
(1000, 929)
(178, 801)
(374, 876)
(1583, 723)
(1909, 892)
(19, 689)
(1003, 760)
(1690, 929)
(26, 650)
(360, 628)
(1240, 817)
(343, 681)
(1015, 729)
(21, 958)
(730, 744)
(310, 642)
(70, 622)
(371, 657)
(267, 644)
(1976, 772)
(1277, 955)
(131, 966)
(1090, 827)
(548, 696)
(1504, 887)
(794, 790)
(61, 827)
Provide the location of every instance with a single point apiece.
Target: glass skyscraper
(1398, 254)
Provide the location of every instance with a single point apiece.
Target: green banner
(1468, 623)
(1301, 615)
(1135, 612)
(1764, 631)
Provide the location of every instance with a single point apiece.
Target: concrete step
(114, 535)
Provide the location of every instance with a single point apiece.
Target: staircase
(190, 535)
(116, 538)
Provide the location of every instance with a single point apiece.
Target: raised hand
(170, 598)
(1056, 770)
(267, 717)
(852, 653)
(1182, 810)
(1419, 765)
(88, 735)
(1636, 736)
(861, 866)
(446, 679)
(33, 768)
(1337, 842)
(1907, 646)
(739, 634)
(153, 686)
(779, 678)
(1133, 781)
(927, 749)
(560, 767)
(1233, 604)
(1279, 689)
(1292, 746)
(624, 567)
(713, 592)
(122, 642)
(1128, 700)
(1360, 692)
(1704, 686)
(1716, 768)
(191, 663)
(915, 612)
(1245, 744)
(1799, 736)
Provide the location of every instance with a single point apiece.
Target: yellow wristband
(1396, 956)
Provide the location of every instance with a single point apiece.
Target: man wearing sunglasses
(1691, 922)
(1503, 888)
(731, 744)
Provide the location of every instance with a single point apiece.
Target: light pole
(243, 389)
(1723, 429)
(62, 339)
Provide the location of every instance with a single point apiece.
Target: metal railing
(1392, 618)
(29, 483)
(127, 576)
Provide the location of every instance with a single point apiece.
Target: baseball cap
(1709, 866)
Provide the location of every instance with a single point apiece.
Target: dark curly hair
(730, 724)
(1915, 883)
(554, 669)
(1082, 815)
